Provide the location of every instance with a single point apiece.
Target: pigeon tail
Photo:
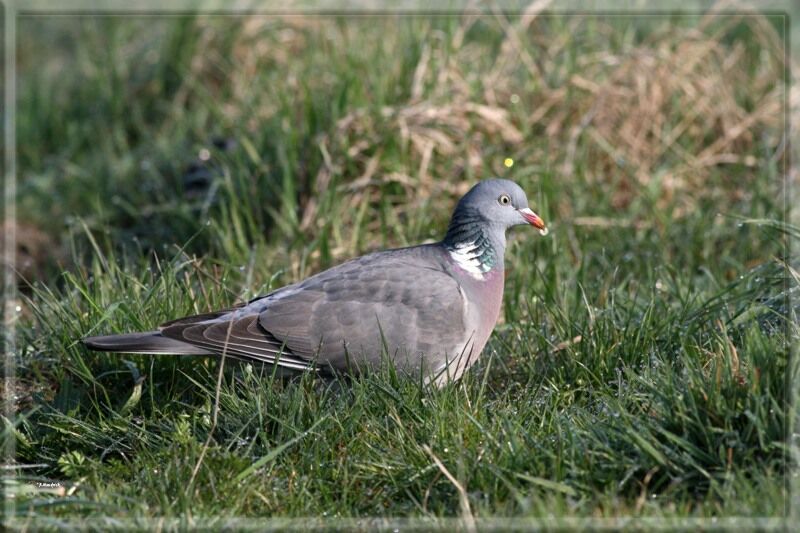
(148, 342)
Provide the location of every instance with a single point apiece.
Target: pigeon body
(428, 309)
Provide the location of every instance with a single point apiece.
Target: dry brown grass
(36, 251)
(661, 115)
(673, 109)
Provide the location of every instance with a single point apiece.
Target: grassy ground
(174, 165)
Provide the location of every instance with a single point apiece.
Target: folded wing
(388, 303)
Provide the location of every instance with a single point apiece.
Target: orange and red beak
(533, 219)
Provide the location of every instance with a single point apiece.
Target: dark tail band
(148, 342)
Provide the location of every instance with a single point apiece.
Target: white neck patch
(466, 256)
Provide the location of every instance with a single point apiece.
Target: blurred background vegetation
(333, 134)
(168, 165)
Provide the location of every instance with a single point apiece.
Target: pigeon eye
(504, 199)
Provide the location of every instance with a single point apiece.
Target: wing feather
(353, 312)
(404, 300)
(236, 337)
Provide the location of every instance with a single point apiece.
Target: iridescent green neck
(469, 242)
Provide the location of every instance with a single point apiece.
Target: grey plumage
(147, 342)
(425, 307)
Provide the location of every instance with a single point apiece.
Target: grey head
(481, 218)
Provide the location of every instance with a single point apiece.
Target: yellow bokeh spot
(508, 162)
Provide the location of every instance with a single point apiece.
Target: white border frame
(240, 7)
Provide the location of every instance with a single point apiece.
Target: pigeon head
(500, 203)
(476, 236)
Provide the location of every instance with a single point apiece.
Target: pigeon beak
(533, 219)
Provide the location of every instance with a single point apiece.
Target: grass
(171, 166)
